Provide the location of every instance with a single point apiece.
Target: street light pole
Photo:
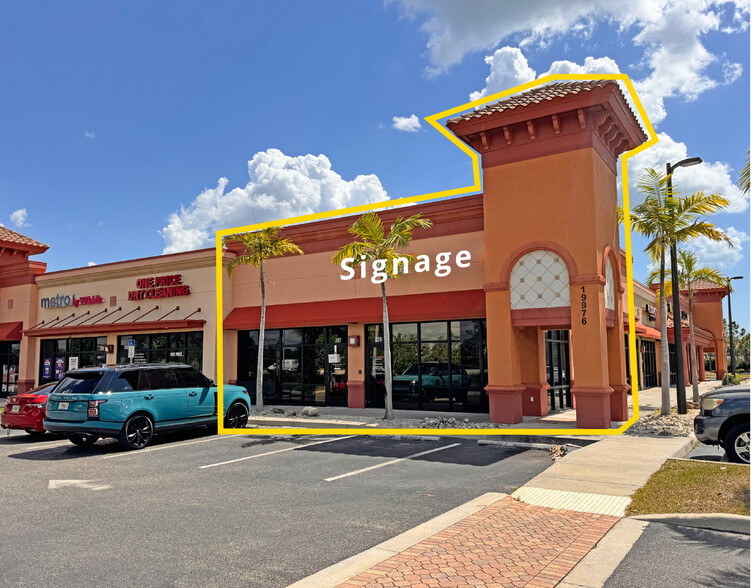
(730, 327)
(680, 379)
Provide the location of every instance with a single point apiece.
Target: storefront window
(186, 348)
(9, 353)
(301, 366)
(57, 356)
(436, 366)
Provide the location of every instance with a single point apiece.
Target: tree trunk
(665, 351)
(261, 329)
(387, 356)
(695, 360)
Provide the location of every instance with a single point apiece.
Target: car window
(158, 379)
(190, 378)
(411, 370)
(125, 382)
(81, 383)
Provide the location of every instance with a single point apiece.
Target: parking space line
(32, 447)
(212, 465)
(166, 446)
(387, 463)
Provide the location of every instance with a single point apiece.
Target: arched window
(609, 286)
(539, 279)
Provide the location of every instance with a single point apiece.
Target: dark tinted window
(158, 379)
(190, 378)
(83, 383)
(125, 382)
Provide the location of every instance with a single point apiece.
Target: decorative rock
(310, 411)
(277, 410)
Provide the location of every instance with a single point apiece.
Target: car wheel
(35, 433)
(736, 443)
(137, 433)
(82, 440)
(237, 416)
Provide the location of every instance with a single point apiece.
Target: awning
(126, 327)
(643, 330)
(413, 307)
(11, 331)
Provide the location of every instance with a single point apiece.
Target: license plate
(62, 406)
(15, 408)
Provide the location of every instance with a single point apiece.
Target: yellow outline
(475, 187)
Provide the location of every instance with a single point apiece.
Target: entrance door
(336, 375)
(559, 378)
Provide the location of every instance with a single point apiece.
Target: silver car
(724, 420)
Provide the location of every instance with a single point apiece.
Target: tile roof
(534, 96)
(704, 285)
(8, 236)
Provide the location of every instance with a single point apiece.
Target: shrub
(731, 379)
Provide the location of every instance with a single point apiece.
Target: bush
(731, 379)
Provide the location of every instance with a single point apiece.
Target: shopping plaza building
(516, 304)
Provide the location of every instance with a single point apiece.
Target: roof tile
(9, 236)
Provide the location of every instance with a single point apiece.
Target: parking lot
(199, 509)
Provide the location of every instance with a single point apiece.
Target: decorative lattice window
(539, 280)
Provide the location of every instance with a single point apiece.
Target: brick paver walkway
(506, 544)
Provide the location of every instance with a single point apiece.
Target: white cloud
(508, 68)
(720, 255)
(89, 134)
(19, 217)
(731, 71)
(669, 33)
(409, 123)
(280, 187)
(91, 263)
(710, 176)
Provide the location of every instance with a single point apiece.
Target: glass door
(559, 379)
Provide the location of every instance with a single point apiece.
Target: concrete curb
(727, 523)
(350, 567)
(687, 447)
(524, 445)
(599, 564)
(310, 422)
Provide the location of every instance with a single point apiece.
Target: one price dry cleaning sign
(159, 287)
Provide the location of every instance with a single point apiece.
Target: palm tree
(260, 246)
(664, 218)
(744, 180)
(689, 273)
(374, 245)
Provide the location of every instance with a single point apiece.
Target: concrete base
(355, 394)
(506, 405)
(592, 407)
(619, 402)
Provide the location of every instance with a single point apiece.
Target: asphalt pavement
(202, 509)
(677, 557)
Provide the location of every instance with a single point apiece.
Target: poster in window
(73, 362)
(47, 368)
(59, 368)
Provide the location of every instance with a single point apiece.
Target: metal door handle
(193, 393)
(149, 396)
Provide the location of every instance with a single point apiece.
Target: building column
(27, 364)
(356, 366)
(720, 358)
(590, 356)
(700, 363)
(687, 363)
(504, 375)
(533, 373)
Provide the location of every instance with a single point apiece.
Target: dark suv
(133, 402)
(724, 420)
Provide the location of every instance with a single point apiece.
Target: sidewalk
(533, 538)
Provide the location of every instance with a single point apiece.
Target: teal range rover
(134, 402)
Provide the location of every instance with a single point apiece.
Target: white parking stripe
(393, 461)
(166, 446)
(276, 451)
(32, 447)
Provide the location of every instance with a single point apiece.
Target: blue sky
(128, 127)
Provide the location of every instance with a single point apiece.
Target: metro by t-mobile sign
(159, 287)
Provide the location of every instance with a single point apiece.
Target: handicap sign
(131, 348)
